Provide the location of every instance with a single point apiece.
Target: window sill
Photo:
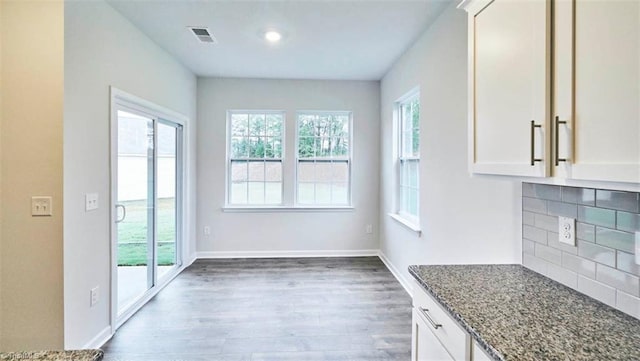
(258, 209)
(406, 223)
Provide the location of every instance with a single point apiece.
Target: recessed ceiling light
(272, 36)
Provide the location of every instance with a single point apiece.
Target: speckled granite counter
(77, 355)
(517, 314)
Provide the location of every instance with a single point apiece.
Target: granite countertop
(75, 355)
(516, 314)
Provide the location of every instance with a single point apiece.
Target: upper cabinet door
(509, 83)
(597, 89)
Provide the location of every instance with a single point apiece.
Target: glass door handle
(124, 213)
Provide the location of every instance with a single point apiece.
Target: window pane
(306, 193)
(238, 193)
(306, 172)
(412, 202)
(239, 147)
(403, 174)
(256, 171)
(404, 203)
(306, 147)
(323, 147)
(238, 171)
(256, 193)
(339, 147)
(323, 126)
(239, 124)
(256, 147)
(412, 173)
(273, 171)
(340, 193)
(340, 172)
(276, 146)
(274, 125)
(323, 193)
(273, 192)
(324, 172)
(257, 125)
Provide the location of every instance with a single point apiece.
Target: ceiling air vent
(203, 34)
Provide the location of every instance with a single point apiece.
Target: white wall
(464, 219)
(31, 148)
(280, 233)
(103, 49)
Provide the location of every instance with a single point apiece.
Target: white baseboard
(394, 271)
(286, 254)
(101, 338)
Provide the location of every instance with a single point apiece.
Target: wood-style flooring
(332, 309)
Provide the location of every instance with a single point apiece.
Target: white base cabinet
(436, 336)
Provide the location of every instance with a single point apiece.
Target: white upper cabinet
(597, 89)
(581, 87)
(509, 68)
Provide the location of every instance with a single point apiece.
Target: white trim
(101, 338)
(122, 99)
(286, 254)
(403, 281)
(286, 209)
(406, 223)
(296, 158)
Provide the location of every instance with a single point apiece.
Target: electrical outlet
(368, 228)
(41, 206)
(91, 201)
(95, 296)
(567, 230)
(207, 230)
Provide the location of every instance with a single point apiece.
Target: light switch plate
(567, 230)
(91, 201)
(41, 206)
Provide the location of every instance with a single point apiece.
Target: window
(255, 157)
(324, 158)
(409, 156)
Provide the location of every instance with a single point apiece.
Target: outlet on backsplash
(567, 230)
(603, 261)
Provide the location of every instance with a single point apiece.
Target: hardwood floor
(330, 309)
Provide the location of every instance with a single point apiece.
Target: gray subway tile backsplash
(601, 264)
(586, 232)
(622, 201)
(618, 279)
(584, 196)
(597, 216)
(623, 241)
(597, 253)
(629, 222)
(562, 209)
(626, 262)
(580, 265)
(599, 291)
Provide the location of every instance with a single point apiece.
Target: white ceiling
(323, 39)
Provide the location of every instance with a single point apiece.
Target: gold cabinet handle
(557, 140)
(533, 142)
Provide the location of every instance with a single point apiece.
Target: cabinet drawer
(456, 340)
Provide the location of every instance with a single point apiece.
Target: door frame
(160, 114)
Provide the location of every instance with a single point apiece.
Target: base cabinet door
(425, 346)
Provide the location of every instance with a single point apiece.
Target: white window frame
(348, 159)
(229, 160)
(408, 219)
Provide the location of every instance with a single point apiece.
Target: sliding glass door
(148, 204)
